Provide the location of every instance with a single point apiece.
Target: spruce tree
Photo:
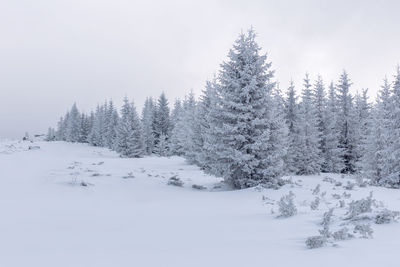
(110, 124)
(241, 117)
(162, 123)
(204, 107)
(147, 122)
(332, 160)
(377, 143)
(292, 120)
(73, 129)
(345, 126)
(392, 162)
(309, 159)
(129, 139)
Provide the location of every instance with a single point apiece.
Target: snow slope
(129, 216)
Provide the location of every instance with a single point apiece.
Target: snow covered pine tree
(242, 124)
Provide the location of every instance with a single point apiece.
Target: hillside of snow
(74, 205)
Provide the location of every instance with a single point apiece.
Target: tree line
(243, 128)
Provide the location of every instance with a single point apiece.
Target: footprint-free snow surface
(73, 205)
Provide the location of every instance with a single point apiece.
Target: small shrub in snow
(329, 180)
(336, 196)
(174, 180)
(287, 208)
(364, 230)
(349, 186)
(342, 204)
(386, 216)
(326, 221)
(342, 234)
(346, 195)
(357, 207)
(360, 181)
(315, 203)
(316, 190)
(129, 175)
(323, 194)
(199, 187)
(96, 174)
(315, 242)
(338, 184)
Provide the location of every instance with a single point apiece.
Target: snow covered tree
(181, 135)
(129, 139)
(161, 122)
(243, 110)
(345, 126)
(361, 120)
(176, 142)
(95, 137)
(51, 135)
(176, 112)
(277, 146)
(392, 162)
(84, 128)
(147, 122)
(292, 120)
(204, 107)
(332, 160)
(110, 125)
(73, 129)
(60, 133)
(319, 102)
(192, 135)
(377, 143)
(308, 153)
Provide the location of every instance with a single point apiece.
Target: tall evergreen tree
(110, 125)
(129, 140)
(345, 126)
(162, 123)
(292, 120)
(241, 118)
(73, 129)
(204, 107)
(319, 102)
(147, 122)
(309, 160)
(393, 163)
(332, 160)
(377, 143)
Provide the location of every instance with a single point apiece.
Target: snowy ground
(127, 215)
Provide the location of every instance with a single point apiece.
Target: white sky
(53, 53)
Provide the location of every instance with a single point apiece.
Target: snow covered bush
(386, 216)
(199, 187)
(326, 221)
(315, 242)
(287, 208)
(315, 203)
(174, 180)
(357, 207)
(364, 230)
(129, 175)
(316, 190)
(346, 195)
(349, 185)
(342, 234)
(360, 181)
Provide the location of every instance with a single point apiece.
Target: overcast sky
(53, 53)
